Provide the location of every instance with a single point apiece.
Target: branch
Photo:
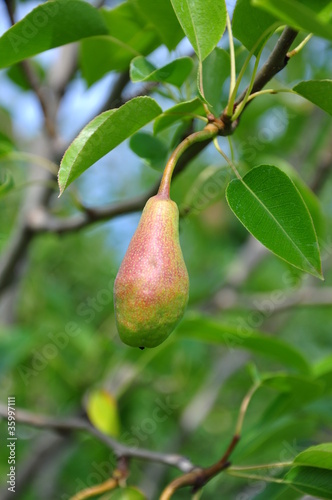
(322, 172)
(33, 81)
(36, 212)
(278, 301)
(41, 221)
(68, 425)
(198, 477)
(276, 62)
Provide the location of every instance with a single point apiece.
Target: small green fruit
(152, 286)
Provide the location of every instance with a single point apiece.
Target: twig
(41, 221)
(198, 477)
(276, 62)
(273, 65)
(68, 425)
(118, 478)
(322, 172)
(33, 81)
(278, 301)
(108, 485)
(195, 413)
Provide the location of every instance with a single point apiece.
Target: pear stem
(209, 132)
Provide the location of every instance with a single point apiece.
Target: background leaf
(203, 22)
(311, 15)
(102, 411)
(311, 480)
(6, 183)
(50, 25)
(182, 111)
(129, 34)
(176, 72)
(216, 70)
(151, 148)
(271, 208)
(161, 15)
(103, 134)
(317, 91)
(206, 330)
(249, 23)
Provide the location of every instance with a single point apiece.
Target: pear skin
(152, 286)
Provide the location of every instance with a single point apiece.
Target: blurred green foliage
(61, 342)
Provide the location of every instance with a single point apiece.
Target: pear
(152, 286)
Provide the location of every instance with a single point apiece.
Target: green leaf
(311, 480)
(16, 345)
(102, 411)
(203, 22)
(207, 188)
(175, 72)
(268, 204)
(249, 23)
(318, 92)
(161, 16)
(242, 337)
(316, 456)
(17, 75)
(311, 15)
(275, 491)
(6, 184)
(149, 147)
(182, 111)
(103, 134)
(296, 392)
(6, 127)
(323, 372)
(129, 35)
(309, 198)
(216, 70)
(50, 25)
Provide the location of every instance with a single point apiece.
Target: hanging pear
(152, 286)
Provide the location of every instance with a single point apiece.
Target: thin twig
(33, 81)
(276, 62)
(198, 477)
(108, 485)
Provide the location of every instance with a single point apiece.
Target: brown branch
(36, 211)
(199, 476)
(33, 81)
(71, 424)
(322, 172)
(275, 63)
